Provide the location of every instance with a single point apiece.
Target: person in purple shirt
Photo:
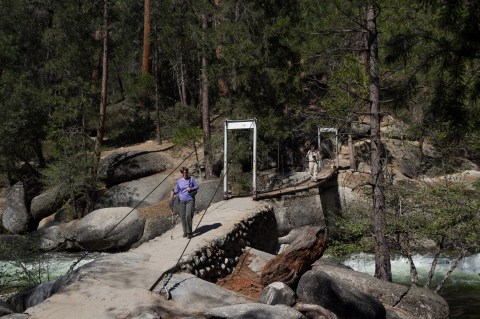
(186, 188)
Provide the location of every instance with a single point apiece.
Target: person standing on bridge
(313, 156)
(186, 188)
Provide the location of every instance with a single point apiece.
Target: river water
(45, 268)
(462, 290)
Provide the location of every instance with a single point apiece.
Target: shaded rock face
(16, 316)
(155, 226)
(15, 217)
(407, 155)
(209, 192)
(143, 192)
(316, 287)
(5, 309)
(121, 167)
(297, 258)
(296, 211)
(51, 237)
(45, 204)
(110, 228)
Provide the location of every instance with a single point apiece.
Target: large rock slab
(297, 211)
(58, 235)
(296, 259)
(423, 303)
(278, 293)
(254, 311)
(143, 192)
(51, 237)
(121, 167)
(209, 192)
(418, 302)
(156, 226)
(40, 293)
(110, 228)
(317, 287)
(192, 295)
(46, 204)
(15, 217)
(407, 156)
(387, 292)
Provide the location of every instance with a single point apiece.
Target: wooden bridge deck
(322, 177)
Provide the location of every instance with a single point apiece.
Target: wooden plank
(323, 177)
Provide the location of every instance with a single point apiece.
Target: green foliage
(241, 183)
(436, 50)
(350, 231)
(143, 90)
(27, 266)
(23, 114)
(72, 167)
(258, 62)
(187, 135)
(447, 214)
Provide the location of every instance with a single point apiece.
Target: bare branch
(452, 268)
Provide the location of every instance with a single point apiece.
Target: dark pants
(186, 214)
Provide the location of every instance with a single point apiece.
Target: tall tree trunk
(98, 58)
(158, 131)
(183, 88)
(103, 95)
(146, 38)
(383, 269)
(353, 163)
(120, 82)
(146, 60)
(181, 81)
(206, 111)
(37, 148)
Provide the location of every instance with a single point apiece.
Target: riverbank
(462, 290)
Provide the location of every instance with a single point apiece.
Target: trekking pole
(173, 212)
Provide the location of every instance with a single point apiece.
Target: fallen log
(319, 311)
(296, 259)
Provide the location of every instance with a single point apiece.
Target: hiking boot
(189, 236)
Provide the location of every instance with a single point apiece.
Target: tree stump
(297, 258)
